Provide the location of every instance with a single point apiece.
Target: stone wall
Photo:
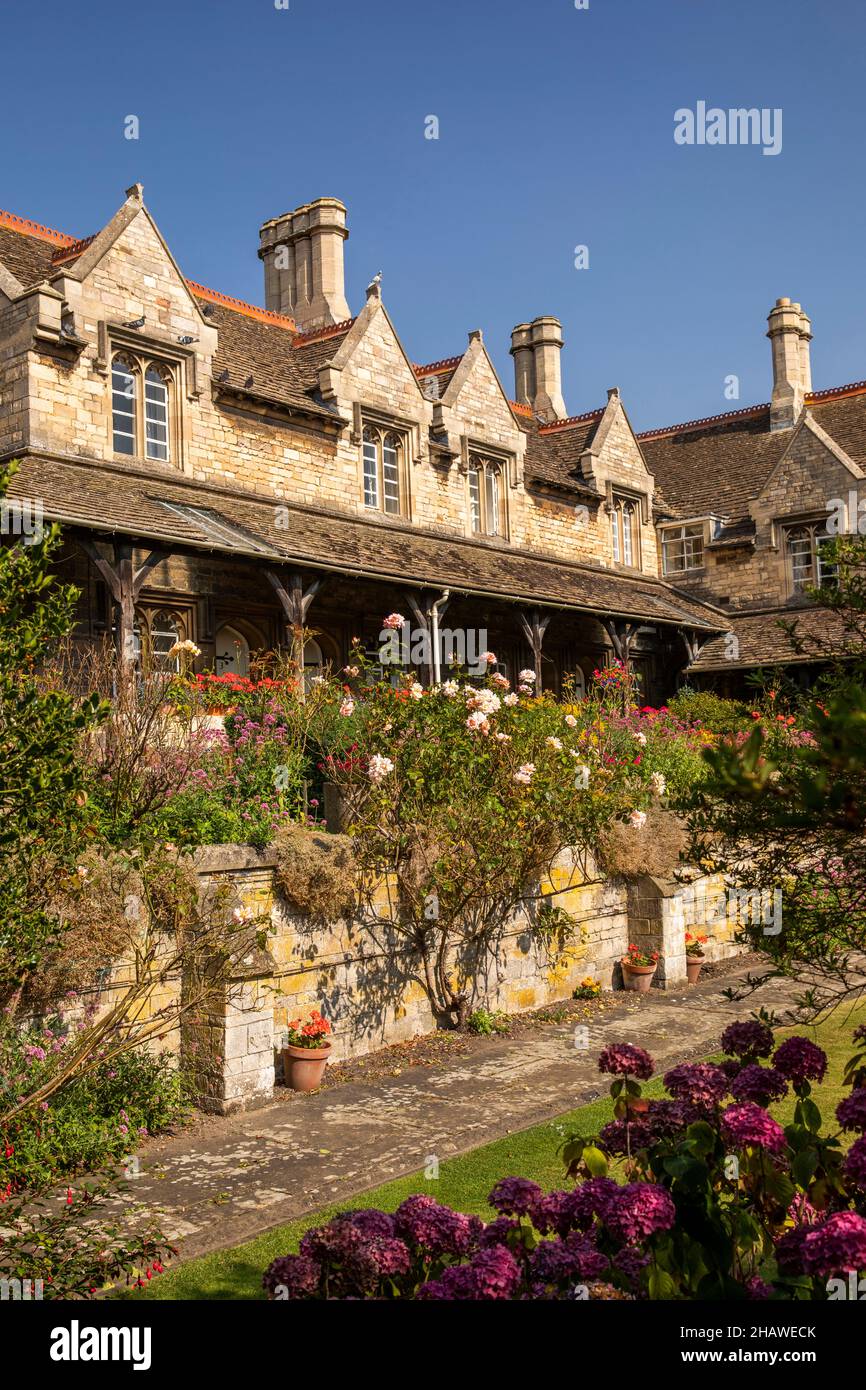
(367, 983)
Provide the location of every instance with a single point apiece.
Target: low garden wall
(366, 982)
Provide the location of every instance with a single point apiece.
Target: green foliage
(75, 1248)
(710, 711)
(485, 1024)
(42, 817)
(96, 1119)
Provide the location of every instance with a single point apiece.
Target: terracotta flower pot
(693, 968)
(637, 977)
(304, 1067)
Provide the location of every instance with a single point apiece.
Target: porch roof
(164, 507)
(780, 636)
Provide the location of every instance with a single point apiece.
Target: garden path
(241, 1176)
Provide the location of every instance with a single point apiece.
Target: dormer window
(683, 548)
(383, 452)
(141, 393)
(625, 531)
(486, 497)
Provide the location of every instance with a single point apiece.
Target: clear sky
(556, 130)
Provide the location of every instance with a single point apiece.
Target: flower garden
(459, 798)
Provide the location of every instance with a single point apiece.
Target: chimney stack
(303, 256)
(524, 364)
(536, 349)
(789, 332)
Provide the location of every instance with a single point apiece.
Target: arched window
(166, 631)
(625, 531)
(486, 498)
(809, 566)
(141, 396)
(156, 413)
(123, 405)
(383, 459)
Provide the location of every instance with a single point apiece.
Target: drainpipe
(434, 616)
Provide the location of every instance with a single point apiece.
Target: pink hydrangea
(748, 1124)
(624, 1059)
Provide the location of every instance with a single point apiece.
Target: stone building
(227, 473)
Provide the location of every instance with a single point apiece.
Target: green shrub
(711, 711)
(96, 1120)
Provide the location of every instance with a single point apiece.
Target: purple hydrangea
(357, 1251)
(855, 1163)
(748, 1040)
(630, 1262)
(851, 1112)
(800, 1060)
(760, 1084)
(497, 1232)
(757, 1287)
(438, 1230)
(747, 1123)
(623, 1059)
(626, 1136)
(593, 1198)
(370, 1222)
(515, 1196)
(700, 1083)
(557, 1261)
(640, 1209)
(731, 1066)
(836, 1246)
(554, 1212)
(492, 1273)
(669, 1117)
(297, 1274)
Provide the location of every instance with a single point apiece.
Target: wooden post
(423, 617)
(124, 584)
(295, 602)
(534, 629)
(621, 633)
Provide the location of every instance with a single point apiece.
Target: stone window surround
(477, 451)
(406, 430)
(481, 464)
(617, 500)
(144, 353)
(813, 522)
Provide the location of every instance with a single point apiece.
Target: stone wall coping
(226, 859)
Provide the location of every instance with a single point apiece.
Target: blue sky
(556, 130)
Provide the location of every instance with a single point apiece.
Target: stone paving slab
(249, 1173)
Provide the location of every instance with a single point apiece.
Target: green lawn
(464, 1182)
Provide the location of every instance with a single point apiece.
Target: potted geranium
(306, 1052)
(638, 968)
(694, 955)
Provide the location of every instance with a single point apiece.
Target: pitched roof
(719, 464)
(714, 466)
(779, 636)
(26, 253)
(553, 452)
(116, 499)
(249, 348)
